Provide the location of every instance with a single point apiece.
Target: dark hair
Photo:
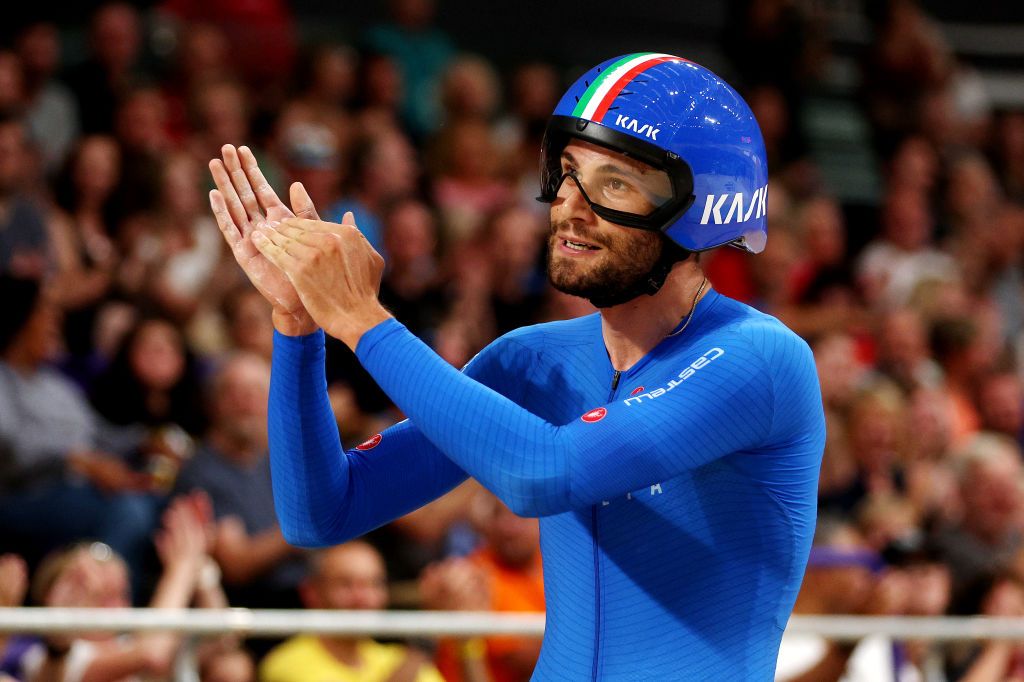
(120, 397)
(20, 297)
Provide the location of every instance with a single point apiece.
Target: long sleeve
(322, 494)
(538, 468)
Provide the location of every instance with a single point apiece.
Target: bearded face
(599, 265)
(588, 256)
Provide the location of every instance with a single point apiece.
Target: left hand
(334, 270)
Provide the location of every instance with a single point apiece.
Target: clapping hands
(314, 273)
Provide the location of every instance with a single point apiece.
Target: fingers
(236, 210)
(265, 194)
(241, 184)
(293, 234)
(224, 221)
(302, 205)
(277, 248)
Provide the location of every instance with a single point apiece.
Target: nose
(571, 200)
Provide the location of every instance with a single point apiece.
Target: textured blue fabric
(677, 518)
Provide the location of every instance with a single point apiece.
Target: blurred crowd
(134, 357)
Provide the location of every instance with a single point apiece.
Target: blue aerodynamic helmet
(680, 118)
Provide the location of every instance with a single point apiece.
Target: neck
(345, 649)
(21, 358)
(633, 328)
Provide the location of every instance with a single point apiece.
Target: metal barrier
(453, 623)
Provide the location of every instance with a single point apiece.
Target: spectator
(91, 575)
(201, 63)
(384, 170)
(170, 260)
(983, 543)
(249, 325)
(892, 267)
(908, 60)
(51, 112)
(1001, 400)
(503, 575)
(153, 380)
(903, 352)
(113, 66)
(82, 228)
(328, 80)
(411, 285)
(844, 576)
(956, 343)
(310, 154)
(59, 480)
(422, 53)
(232, 467)
(24, 240)
(219, 111)
(876, 426)
(467, 186)
(349, 576)
(512, 239)
(12, 83)
(470, 90)
(261, 39)
(13, 588)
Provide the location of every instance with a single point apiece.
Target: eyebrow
(607, 167)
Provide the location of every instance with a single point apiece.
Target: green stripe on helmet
(596, 85)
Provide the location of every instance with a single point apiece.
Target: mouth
(576, 247)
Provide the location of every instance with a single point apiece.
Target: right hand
(244, 201)
(182, 541)
(455, 584)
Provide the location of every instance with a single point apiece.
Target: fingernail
(274, 223)
(257, 235)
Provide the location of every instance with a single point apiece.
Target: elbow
(314, 533)
(535, 498)
(308, 538)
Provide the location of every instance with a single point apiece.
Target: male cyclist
(670, 443)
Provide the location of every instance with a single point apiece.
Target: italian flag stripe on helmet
(594, 103)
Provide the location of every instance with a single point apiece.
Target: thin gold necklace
(693, 308)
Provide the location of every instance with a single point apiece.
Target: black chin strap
(671, 253)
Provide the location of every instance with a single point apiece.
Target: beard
(621, 273)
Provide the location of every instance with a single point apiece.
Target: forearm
(991, 664)
(323, 495)
(308, 468)
(246, 560)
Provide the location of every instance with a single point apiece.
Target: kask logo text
(698, 364)
(737, 208)
(645, 129)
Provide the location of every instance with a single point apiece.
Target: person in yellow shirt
(349, 576)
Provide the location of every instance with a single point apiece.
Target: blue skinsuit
(677, 498)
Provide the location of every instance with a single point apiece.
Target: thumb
(302, 205)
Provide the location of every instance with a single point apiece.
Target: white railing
(452, 623)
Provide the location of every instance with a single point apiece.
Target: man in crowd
(349, 576)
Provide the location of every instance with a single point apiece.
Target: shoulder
(760, 332)
(577, 331)
(518, 348)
